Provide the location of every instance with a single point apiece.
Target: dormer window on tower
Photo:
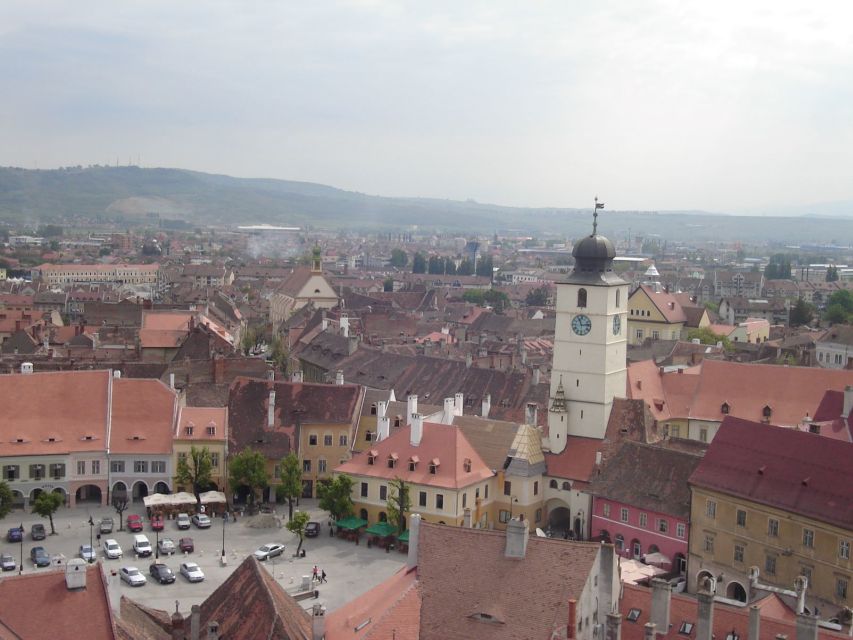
(466, 465)
(581, 298)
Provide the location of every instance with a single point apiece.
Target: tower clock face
(581, 324)
(617, 325)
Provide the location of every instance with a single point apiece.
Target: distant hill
(201, 198)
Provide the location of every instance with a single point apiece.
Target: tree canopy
(839, 307)
(537, 297)
(779, 267)
(296, 525)
(336, 495)
(801, 313)
(290, 487)
(46, 504)
(706, 336)
(398, 503)
(419, 263)
(7, 498)
(248, 469)
(399, 258)
(194, 469)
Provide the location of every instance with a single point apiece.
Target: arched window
(567, 486)
(581, 298)
(553, 484)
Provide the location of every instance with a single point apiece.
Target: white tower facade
(589, 366)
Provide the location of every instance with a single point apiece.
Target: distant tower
(589, 344)
(652, 279)
(316, 260)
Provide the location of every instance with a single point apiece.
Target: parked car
(141, 545)
(16, 534)
(7, 562)
(201, 521)
(166, 546)
(156, 522)
(134, 523)
(186, 545)
(112, 550)
(162, 573)
(269, 551)
(312, 529)
(132, 576)
(106, 525)
(39, 557)
(183, 521)
(87, 552)
(38, 532)
(192, 572)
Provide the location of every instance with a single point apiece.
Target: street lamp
(21, 566)
(157, 544)
(91, 541)
(223, 536)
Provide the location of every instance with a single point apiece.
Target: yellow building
(754, 504)
(201, 427)
(655, 315)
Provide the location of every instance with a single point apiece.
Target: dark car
(39, 557)
(38, 532)
(186, 545)
(162, 573)
(312, 529)
(16, 534)
(156, 522)
(134, 523)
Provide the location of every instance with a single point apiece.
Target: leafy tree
(279, 354)
(296, 525)
(195, 469)
(120, 504)
(465, 268)
(832, 274)
(248, 469)
(839, 307)
(336, 495)
(419, 263)
(435, 265)
(706, 336)
(485, 267)
(474, 296)
(247, 342)
(399, 258)
(398, 503)
(778, 268)
(7, 498)
(836, 314)
(712, 306)
(46, 504)
(537, 297)
(801, 313)
(291, 481)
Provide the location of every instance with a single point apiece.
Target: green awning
(382, 529)
(404, 537)
(352, 523)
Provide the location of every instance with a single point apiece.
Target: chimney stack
(487, 405)
(271, 410)
(649, 631)
(449, 411)
(339, 377)
(344, 323)
(296, 376)
(383, 429)
(26, 368)
(848, 401)
(177, 624)
(414, 531)
(417, 429)
(318, 622)
(171, 380)
(614, 627)
(458, 404)
(517, 534)
(324, 322)
(213, 630)
(536, 374)
(801, 583)
(195, 622)
(661, 594)
(411, 407)
(75, 574)
(705, 623)
(754, 623)
(469, 360)
(571, 623)
(466, 519)
(806, 626)
(381, 409)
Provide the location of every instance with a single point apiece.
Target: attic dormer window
(433, 465)
(724, 409)
(486, 617)
(392, 461)
(767, 411)
(211, 431)
(188, 430)
(467, 465)
(413, 463)
(373, 409)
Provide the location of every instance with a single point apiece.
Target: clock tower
(589, 366)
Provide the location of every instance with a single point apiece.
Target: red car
(186, 545)
(156, 522)
(134, 523)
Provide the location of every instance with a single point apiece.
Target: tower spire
(598, 205)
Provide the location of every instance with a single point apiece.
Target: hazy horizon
(726, 108)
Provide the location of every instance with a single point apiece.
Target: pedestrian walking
(315, 576)
(323, 576)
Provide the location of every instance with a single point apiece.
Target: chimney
(466, 519)
(414, 531)
(705, 624)
(318, 622)
(171, 380)
(487, 405)
(26, 368)
(381, 408)
(571, 623)
(352, 344)
(75, 574)
(212, 630)
(383, 429)
(344, 324)
(661, 593)
(95, 340)
(296, 376)
(806, 626)
(447, 416)
(848, 401)
(117, 374)
(271, 410)
(754, 623)
(195, 622)
(696, 341)
(458, 404)
(324, 322)
(517, 534)
(523, 357)
(649, 631)
(417, 429)
(411, 407)
(536, 374)
(801, 583)
(607, 573)
(339, 377)
(469, 360)
(614, 627)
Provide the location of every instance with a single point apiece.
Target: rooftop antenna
(598, 205)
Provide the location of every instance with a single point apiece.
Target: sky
(722, 106)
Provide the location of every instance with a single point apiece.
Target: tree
(291, 481)
(832, 274)
(399, 258)
(336, 495)
(778, 268)
(279, 354)
(485, 267)
(398, 503)
(419, 263)
(465, 268)
(435, 265)
(7, 498)
(801, 313)
(706, 336)
(839, 307)
(248, 469)
(537, 297)
(474, 296)
(120, 504)
(296, 525)
(46, 504)
(247, 342)
(194, 469)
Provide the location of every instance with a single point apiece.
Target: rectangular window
(507, 488)
(214, 460)
(655, 335)
(605, 510)
(439, 501)
(639, 334)
(312, 439)
(57, 471)
(675, 431)
(772, 527)
(841, 586)
(680, 530)
(623, 514)
(117, 466)
(486, 493)
(711, 509)
(81, 467)
(536, 488)
(464, 500)
(807, 572)
(503, 516)
(741, 518)
(211, 431)
(808, 538)
(709, 544)
(96, 467)
(663, 525)
(140, 466)
(321, 466)
(383, 492)
(738, 553)
(11, 472)
(276, 471)
(644, 520)
(158, 466)
(422, 499)
(306, 466)
(844, 549)
(342, 440)
(327, 441)
(363, 489)
(703, 435)
(770, 565)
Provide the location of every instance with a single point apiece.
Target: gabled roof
(200, 418)
(798, 472)
(838, 334)
(143, 416)
(666, 303)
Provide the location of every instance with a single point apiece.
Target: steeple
(558, 402)
(594, 255)
(316, 260)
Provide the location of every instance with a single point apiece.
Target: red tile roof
(576, 461)
(798, 472)
(200, 418)
(143, 416)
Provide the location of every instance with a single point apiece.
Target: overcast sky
(723, 106)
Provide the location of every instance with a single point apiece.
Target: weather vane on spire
(598, 205)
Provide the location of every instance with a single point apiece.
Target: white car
(112, 550)
(132, 576)
(201, 521)
(192, 572)
(269, 551)
(183, 521)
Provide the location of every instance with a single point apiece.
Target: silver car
(166, 546)
(132, 576)
(192, 572)
(87, 552)
(7, 562)
(269, 551)
(112, 550)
